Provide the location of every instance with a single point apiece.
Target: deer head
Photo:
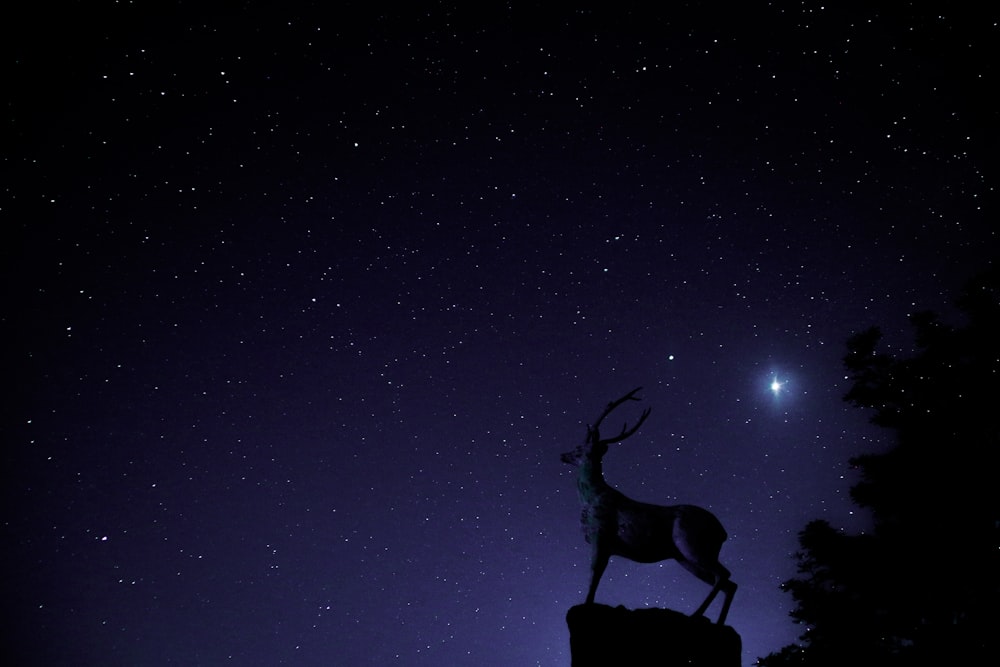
(593, 446)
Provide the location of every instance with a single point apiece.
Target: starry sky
(304, 300)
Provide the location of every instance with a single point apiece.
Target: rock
(603, 636)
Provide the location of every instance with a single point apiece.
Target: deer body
(615, 525)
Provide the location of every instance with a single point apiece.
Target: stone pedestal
(603, 636)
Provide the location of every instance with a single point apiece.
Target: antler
(626, 431)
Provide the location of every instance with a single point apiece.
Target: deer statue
(615, 525)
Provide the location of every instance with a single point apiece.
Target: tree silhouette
(922, 588)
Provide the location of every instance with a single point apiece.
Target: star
(776, 386)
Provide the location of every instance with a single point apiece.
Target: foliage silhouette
(922, 588)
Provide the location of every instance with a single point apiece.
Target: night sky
(302, 304)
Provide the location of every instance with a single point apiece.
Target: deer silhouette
(615, 525)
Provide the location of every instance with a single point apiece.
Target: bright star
(776, 386)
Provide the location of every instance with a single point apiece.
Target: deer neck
(590, 480)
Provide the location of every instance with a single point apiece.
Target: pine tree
(922, 588)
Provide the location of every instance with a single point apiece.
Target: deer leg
(717, 577)
(708, 601)
(728, 589)
(598, 562)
